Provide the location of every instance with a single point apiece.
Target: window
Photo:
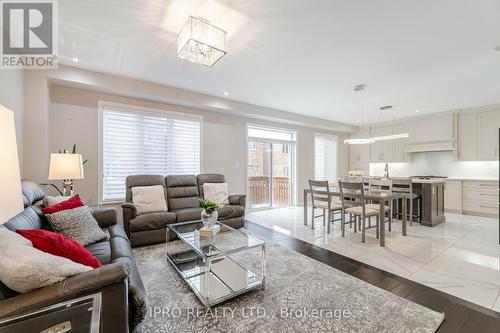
(135, 141)
(271, 133)
(325, 157)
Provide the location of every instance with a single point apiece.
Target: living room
(186, 167)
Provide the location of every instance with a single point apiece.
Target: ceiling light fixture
(416, 110)
(201, 42)
(226, 93)
(75, 59)
(392, 136)
(359, 141)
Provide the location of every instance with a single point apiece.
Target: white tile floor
(460, 257)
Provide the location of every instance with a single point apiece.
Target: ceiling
(303, 56)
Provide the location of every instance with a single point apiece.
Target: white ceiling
(303, 56)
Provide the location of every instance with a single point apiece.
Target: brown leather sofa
(182, 193)
(118, 280)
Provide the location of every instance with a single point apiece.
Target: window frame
(136, 109)
(336, 137)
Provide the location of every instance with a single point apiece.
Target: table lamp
(11, 197)
(66, 167)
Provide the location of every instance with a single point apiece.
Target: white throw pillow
(216, 192)
(24, 268)
(148, 199)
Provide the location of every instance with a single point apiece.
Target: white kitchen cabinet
(399, 153)
(487, 135)
(467, 137)
(359, 155)
(418, 130)
(381, 151)
(453, 196)
(480, 198)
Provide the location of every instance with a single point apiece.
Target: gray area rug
(302, 295)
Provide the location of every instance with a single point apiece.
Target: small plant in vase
(209, 213)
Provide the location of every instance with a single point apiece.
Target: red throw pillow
(59, 245)
(71, 203)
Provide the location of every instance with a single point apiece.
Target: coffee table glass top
(227, 240)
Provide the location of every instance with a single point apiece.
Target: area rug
(301, 295)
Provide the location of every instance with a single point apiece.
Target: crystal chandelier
(201, 42)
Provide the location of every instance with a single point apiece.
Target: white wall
(73, 119)
(439, 164)
(11, 96)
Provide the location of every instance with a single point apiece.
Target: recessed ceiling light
(226, 93)
(416, 110)
(75, 59)
(386, 107)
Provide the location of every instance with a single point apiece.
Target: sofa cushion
(60, 245)
(182, 192)
(188, 214)
(101, 250)
(78, 224)
(28, 219)
(230, 211)
(70, 203)
(149, 199)
(24, 268)
(142, 180)
(209, 178)
(216, 192)
(152, 221)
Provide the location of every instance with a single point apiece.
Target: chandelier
(201, 42)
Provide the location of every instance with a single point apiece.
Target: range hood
(420, 147)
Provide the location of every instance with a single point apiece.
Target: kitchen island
(431, 193)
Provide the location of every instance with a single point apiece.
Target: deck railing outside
(258, 191)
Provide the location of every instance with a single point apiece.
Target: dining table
(379, 196)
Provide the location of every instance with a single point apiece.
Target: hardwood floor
(460, 315)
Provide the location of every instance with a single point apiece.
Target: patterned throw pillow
(77, 224)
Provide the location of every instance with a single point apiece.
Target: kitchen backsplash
(439, 164)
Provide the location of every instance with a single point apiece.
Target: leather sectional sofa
(182, 193)
(118, 280)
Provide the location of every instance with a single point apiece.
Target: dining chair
(322, 198)
(357, 207)
(382, 184)
(405, 185)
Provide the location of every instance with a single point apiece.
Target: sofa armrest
(129, 212)
(237, 199)
(76, 286)
(105, 217)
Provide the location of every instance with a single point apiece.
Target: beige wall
(11, 96)
(74, 119)
(60, 109)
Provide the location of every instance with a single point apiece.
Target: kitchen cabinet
(480, 198)
(359, 155)
(466, 127)
(453, 196)
(399, 153)
(435, 128)
(487, 135)
(381, 151)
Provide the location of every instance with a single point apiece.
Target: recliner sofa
(118, 280)
(182, 194)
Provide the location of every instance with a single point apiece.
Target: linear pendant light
(359, 141)
(390, 137)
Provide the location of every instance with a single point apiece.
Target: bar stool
(322, 199)
(405, 185)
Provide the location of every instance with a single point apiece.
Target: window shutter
(135, 142)
(325, 157)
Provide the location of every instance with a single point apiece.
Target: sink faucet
(386, 170)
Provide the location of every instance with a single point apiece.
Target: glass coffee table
(207, 264)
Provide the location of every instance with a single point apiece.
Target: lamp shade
(11, 198)
(65, 166)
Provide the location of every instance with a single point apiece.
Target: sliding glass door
(270, 168)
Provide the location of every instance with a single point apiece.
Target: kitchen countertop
(475, 179)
